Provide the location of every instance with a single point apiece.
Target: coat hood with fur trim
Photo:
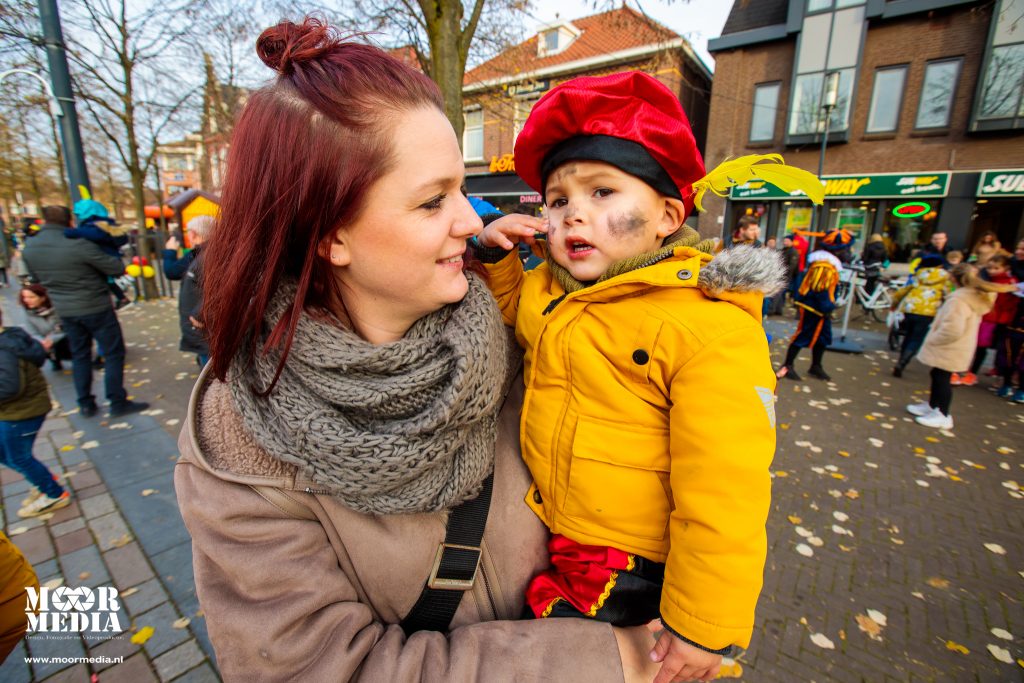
(744, 275)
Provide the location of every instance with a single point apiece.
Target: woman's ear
(335, 249)
(672, 216)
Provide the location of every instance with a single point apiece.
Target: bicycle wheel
(880, 308)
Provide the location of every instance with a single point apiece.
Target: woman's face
(31, 299)
(402, 257)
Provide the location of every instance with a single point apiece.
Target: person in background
(875, 258)
(747, 232)
(938, 244)
(771, 243)
(951, 341)
(188, 269)
(803, 247)
(791, 260)
(953, 259)
(88, 216)
(984, 248)
(75, 274)
(1017, 262)
(993, 324)
(919, 301)
(1010, 352)
(44, 324)
(24, 403)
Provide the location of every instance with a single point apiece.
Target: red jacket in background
(802, 245)
(1006, 303)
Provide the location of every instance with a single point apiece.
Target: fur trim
(744, 268)
(819, 255)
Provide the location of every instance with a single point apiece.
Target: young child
(88, 215)
(24, 403)
(993, 323)
(44, 324)
(1010, 352)
(644, 361)
(816, 299)
(951, 340)
(919, 301)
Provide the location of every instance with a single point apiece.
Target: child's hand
(511, 229)
(682, 661)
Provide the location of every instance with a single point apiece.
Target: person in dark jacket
(43, 323)
(791, 259)
(75, 273)
(188, 269)
(88, 215)
(875, 258)
(24, 403)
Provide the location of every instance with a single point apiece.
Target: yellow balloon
(147, 271)
(133, 270)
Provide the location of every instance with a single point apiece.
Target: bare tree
(130, 68)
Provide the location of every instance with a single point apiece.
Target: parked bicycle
(853, 280)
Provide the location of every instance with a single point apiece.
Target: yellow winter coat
(649, 426)
(924, 296)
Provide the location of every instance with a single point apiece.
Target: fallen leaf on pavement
(84, 575)
(957, 647)
(869, 626)
(17, 531)
(54, 583)
(130, 591)
(936, 582)
(144, 634)
(181, 623)
(1000, 653)
(121, 542)
(822, 641)
(793, 519)
(995, 548)
(1002, 633)
(804, 550)
(148, 492)
(88, 445)
(730, 669)
(840, 516)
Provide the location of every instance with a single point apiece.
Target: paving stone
(109, 529)
(118, 646)
(155, 517)
(83, 479)
(65, 515)
(35, 544)
(77, 673)
(76, 540)
(201, 674)
(73, 458)
(15, 669)
(135, 669)
(55, 649)
(46, 571)
(91, 492)
(9, 476)
(67, 527)
(128, 565)
(149, 595)
(81, 561)
(175, 662)
(16, 488)
(97, 506)
(164, 637)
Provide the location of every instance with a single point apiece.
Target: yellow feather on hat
(746, 168)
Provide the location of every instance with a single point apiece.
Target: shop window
(886, 98)
(762, 121)
(473, 135)
(822, 5)
(1000, 99)
(936, 105)
(829, 42)
(854, 216)
(903, 237)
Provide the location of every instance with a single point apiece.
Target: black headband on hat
(625, 155)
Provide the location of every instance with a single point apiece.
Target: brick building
(499, 93)
(928, 129)
(179, 164)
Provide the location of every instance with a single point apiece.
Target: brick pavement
(915, 554)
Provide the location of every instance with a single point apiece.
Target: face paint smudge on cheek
(623, 225)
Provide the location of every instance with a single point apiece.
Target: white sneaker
(44, 504)
(935, 419)
(922, 408)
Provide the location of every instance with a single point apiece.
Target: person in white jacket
(949, 346)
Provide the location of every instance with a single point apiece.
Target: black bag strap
(455, 566)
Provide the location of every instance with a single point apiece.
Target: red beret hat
(631, 106)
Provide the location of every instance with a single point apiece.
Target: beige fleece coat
(297, 587)
(953, 335)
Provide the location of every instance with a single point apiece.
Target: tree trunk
(444, 31)
(30, 161)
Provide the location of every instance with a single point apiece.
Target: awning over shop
(497, 185)
(1008, 183)
(876, 186)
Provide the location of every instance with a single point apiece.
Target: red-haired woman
(43, 323)
(358, 393)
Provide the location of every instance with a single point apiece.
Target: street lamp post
(829, 98)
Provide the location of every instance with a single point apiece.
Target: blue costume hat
(90, 209)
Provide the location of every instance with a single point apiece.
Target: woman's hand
(635, 644)
(509, 230)
(172, 243)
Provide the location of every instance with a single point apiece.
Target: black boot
(817, 354)
(791, 354)
(819, 372)
(897, 370)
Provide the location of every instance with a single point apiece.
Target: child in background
(919, 301)
(951, 341)
(996, 269)
(88, 216)
(954, 258)
(43, 323)
(24, 403)
(1010, 352)
(644, 359)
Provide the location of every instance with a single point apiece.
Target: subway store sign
(856, 186)
(1002, 184)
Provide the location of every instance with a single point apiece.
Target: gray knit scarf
(403, 427)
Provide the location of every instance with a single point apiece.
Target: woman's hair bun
(288, 44)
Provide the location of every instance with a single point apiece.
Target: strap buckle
(460, 553)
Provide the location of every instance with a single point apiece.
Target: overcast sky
(695, 20)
